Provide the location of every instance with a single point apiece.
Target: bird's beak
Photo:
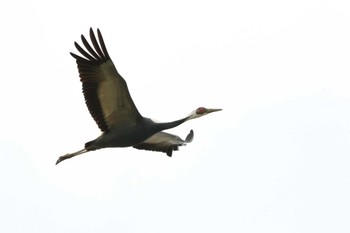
(210, 110)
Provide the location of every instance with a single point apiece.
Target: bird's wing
(106, 93)
(164, 142)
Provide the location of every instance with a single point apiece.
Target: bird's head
(201, 111)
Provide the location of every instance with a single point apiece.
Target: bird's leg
(68, 156)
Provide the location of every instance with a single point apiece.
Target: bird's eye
(200, 110)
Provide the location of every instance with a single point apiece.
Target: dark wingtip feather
(75, 56)
(89, 48)
(189, 137)
(102, 43)
(169, 152)
(96, 45)
(83, 52)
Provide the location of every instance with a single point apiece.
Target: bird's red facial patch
(200, 110)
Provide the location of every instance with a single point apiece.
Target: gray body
(111, 106)
(130, 136)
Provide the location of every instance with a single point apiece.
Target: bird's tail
(89, 145)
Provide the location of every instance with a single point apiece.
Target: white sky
(276, 159)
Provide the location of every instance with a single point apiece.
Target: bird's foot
(63, 157)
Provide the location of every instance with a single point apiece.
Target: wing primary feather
(83, 52)
(96, 45)
(88, 47)
(169, 152)
(164, 142)
(189, 137)
(77, 57)
(99, 76)
(102, 43)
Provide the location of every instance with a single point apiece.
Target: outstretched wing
(164, 142)
(106, 93)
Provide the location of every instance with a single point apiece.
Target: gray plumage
(164, 142)
(111, 106)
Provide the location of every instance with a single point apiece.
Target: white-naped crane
(110, 104)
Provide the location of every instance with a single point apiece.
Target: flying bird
(111, 106)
